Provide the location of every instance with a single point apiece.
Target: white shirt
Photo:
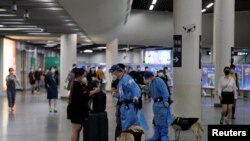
(227, 85)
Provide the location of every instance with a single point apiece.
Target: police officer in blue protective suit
(128, 93)
(162, 117)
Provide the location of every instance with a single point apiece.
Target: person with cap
(128, 93)
(161, 107)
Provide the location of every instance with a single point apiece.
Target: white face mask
(53, 70)
(39, 69)
(160, 74)
(84, 80)
(93, 78)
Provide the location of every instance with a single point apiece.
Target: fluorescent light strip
(6, 29)
(88, 51)
(23, 26)
(154, 2)
(39, 33)
(7, 15)
(209, 5)
(101, 47)
(151, 7)
(9, 28)
(11, 22)
(1, 9)
(1, 25)
(203, 10)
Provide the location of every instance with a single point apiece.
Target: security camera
(189, 28)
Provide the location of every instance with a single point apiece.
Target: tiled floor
(31, 120)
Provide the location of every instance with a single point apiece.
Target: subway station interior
(191, 41)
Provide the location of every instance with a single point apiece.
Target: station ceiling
(48, 19)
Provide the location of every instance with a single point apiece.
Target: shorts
(227, 98)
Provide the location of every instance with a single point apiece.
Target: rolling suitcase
(96, 127)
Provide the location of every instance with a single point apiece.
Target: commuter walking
(52, 91)
(161, 107)
(32, 80)
(226, 90)
(78, 109)
(11, 81)
(38, 74)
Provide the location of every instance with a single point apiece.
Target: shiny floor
(32, 121)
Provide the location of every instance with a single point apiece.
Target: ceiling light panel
(1, 9)
(11, 22)
(11, 19)
(7, 15)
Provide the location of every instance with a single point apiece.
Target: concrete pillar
(68, 57)
(111, 58)
(223, 38)
(2, 81)
(187, 76)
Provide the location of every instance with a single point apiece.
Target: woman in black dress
(78, 108)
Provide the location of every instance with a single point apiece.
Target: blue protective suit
(162, 114)
(128, 90)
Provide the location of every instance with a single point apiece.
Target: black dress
(78, 108)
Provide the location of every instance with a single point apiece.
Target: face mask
(114, 77)
(232, 71)
(53, 70)
(160, 74)
(84, 80)
(93, 78)
(147, 81)
(39, 69)
(227, 72)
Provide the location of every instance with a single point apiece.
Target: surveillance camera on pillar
(189, 28)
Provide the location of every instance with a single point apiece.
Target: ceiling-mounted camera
(189, 28)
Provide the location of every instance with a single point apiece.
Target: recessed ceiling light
(1, 9)
(203, 10)
(151, 7)
(7, 15)
(85, 44)
(70, 24)
(87, 40)
(154, 2)
(88, 51)
(101, 47)
(67, 20)
(54, 8)
(209, 5)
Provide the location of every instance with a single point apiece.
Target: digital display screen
(158, 57)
